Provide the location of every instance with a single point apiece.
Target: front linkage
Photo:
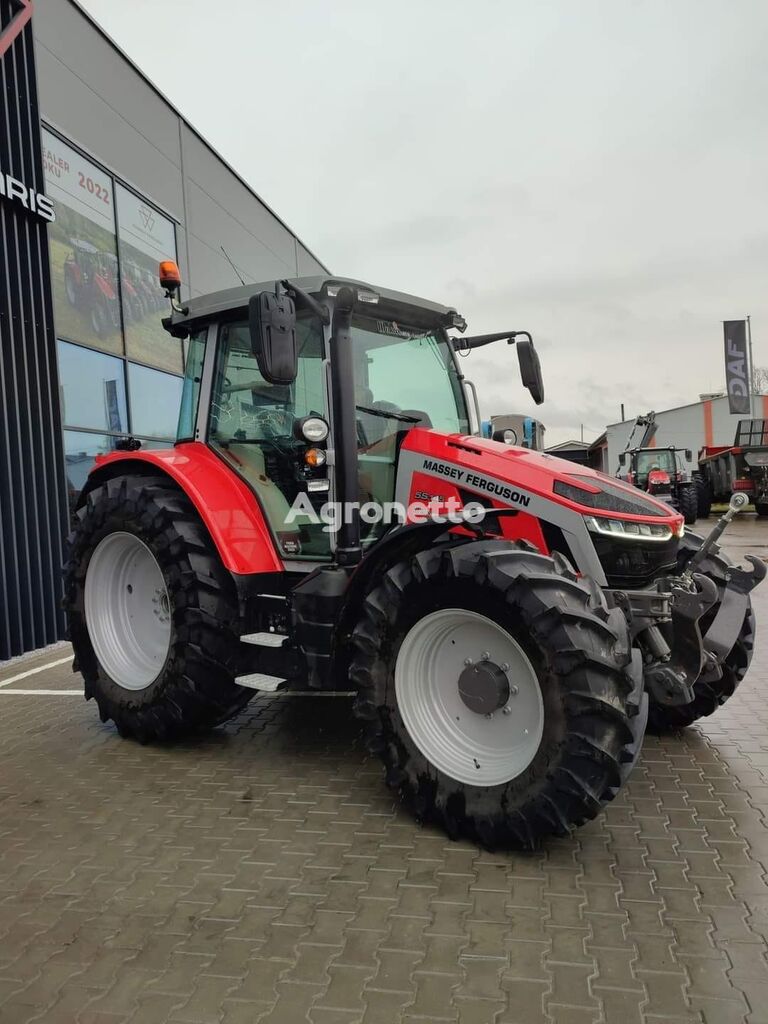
(666, 622)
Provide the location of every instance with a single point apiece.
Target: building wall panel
(32, 490)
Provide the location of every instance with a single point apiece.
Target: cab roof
(415, 310)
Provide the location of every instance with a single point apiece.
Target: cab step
(264, 639)
(260, 681)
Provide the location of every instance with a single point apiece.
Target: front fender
(226, 505)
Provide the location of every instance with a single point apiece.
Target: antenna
(229, 261)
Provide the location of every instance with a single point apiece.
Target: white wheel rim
(127, 610)
(469, 747)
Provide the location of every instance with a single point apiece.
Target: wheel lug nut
(514, 690)
(484, 656)
(505, 667)
(507, 710)
(489, 715)
(467, 661)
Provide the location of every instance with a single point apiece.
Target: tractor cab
(655, 469)
(307, 392)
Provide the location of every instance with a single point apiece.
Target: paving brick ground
(264, 874)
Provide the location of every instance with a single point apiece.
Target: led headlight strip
(621, 528)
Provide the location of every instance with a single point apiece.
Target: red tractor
(508, 642)
(91, 286)
(662, 472)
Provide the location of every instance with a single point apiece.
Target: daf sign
(737, 366)
(37, 203)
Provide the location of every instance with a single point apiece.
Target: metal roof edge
(142, 74)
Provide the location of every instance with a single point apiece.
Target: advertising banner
(737, 366)
(83, 248)
(146, 238)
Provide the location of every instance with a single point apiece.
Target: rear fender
(226, 505)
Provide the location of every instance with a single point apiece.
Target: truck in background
(529, 432)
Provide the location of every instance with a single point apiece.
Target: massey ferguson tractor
(661, 472)
(508, 641)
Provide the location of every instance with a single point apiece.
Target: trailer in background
(740, 468)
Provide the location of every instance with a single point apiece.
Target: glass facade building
(102, 177)
(119, 371)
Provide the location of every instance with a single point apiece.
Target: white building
(706, 422)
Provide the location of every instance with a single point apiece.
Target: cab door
(252, 426)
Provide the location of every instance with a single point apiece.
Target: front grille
(634, 563)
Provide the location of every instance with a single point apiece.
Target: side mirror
(507, 436)
(272, 323)
(622, 458)
(688, 455)
(530, 370)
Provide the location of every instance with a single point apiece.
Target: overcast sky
(594, 172)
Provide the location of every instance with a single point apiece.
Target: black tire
(688, 503)
(70, 289)
(590, 683)
(99, 320)
(195, 689)
(708, 696)
(703, 497)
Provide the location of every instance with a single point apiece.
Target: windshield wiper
(388, 415)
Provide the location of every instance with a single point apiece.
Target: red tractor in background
(661, 472)
(91, 286)
(508, 640)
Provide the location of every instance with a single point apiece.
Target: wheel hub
(127, 610)
(484, 688)
(454, 695)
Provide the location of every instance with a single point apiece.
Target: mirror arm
(478, 340)
(306, 300)
(520, 334)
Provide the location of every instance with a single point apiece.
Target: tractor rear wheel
(687, 501)
(708, 696)
(152, 612)
(501, 694)
(703, 497)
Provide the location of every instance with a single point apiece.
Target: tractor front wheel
(501, 694)
(152, 612)
(99, 319)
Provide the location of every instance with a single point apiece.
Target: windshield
(647, 461)
(404, 376)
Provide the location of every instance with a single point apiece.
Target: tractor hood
(511, 476)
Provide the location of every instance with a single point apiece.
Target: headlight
(624, 530)
(311, 428)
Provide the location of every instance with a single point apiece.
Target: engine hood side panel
(440, 470)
